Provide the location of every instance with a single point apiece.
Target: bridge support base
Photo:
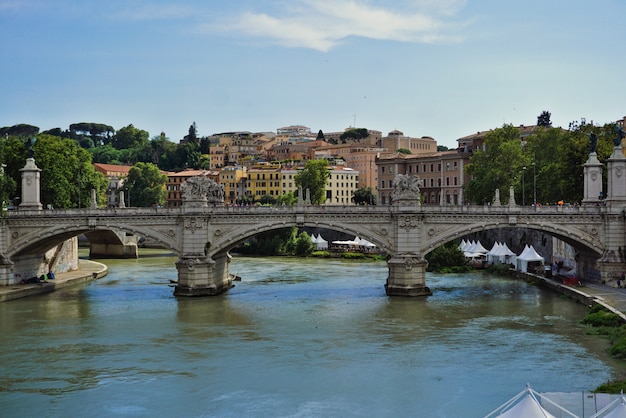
(199, 276)
(407, 277)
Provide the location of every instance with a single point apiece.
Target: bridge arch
(41, 240)
(577, 238)
(228, 242)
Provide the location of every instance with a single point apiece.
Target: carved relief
(202, 188)
(407, 222)
(405, 187)
(193, 224)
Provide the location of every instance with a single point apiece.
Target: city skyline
(442, 69)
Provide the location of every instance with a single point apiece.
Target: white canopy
(528, 255)
(526, 404)
(320, 242)
(616, 409)
(500, 253)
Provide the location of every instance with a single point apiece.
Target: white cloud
(323, 24)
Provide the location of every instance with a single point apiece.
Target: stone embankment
(589, 293)
(87, 271)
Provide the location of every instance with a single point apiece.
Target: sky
(438, 68)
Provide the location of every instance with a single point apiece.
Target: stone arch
(238, 236)
(574, 237)
(39, 241)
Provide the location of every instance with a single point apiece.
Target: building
(396, 140)
(442, 175)
(341, 185)
(264, 179)
(116, 175)
(234, 179)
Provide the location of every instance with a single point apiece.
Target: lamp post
(534, 185)
(523, 174)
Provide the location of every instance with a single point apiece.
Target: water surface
(295, 338)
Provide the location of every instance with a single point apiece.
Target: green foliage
(67, 173)
(145, 185)
(347, 255)
(355, 134)
(98, 133)
(288, 199)
(445, 256)
(22, 131)
(320, 254)
(553, 158)
(615, 387)
(285, 241)
(363, 196)
(600, 317)
(499, 166)
(544, 119)
(314, 177)
(267, 200)
(129, 137)
(404, 151)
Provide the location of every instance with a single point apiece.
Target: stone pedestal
(407, 277)
(592, 173)
(31, 180)
(199, 276)
(616, 172)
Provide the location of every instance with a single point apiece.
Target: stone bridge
(202, 231)
(203, 236)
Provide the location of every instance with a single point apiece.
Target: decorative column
(616, 173)
(592, 173)
(31, 180)
(407, 267)
(201, 273)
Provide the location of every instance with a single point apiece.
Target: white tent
(500, 253)
(475, 250)
(528, 255)
(527, 404)
(616, 409)
(319, 242)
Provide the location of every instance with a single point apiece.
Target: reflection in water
(295, 337)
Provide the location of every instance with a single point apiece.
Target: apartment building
(341, 185)
(116, 175)
(442, 175)
(264, 179)
(234, 179)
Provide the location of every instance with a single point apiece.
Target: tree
(145, 185)
(363, 196)
(129, 137)
(544, 119)
(304, 246)
(288, 199)
(320, 136)
(499, 166)
(355, 134)
(193, 134)
(314, 177)
(404, 151)
(67, 173)
(21, 130)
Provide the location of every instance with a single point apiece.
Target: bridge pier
(199, 275)
(407, 276)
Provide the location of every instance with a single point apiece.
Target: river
(295, 338)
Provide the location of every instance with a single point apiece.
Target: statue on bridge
(201, 191)
(620, 135)
(405, 187)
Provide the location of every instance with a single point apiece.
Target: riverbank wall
(590, 294)
(87, 271)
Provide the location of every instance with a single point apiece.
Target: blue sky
(440, 68)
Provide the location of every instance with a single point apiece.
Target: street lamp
(534, 185)
(523, 173)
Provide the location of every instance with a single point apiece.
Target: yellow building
(341, 184)
(234, 179)
(264, 179)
